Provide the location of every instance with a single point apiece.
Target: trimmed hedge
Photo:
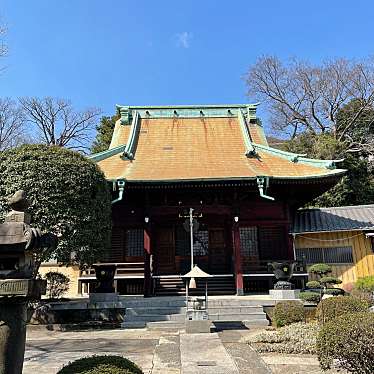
(312, 297)
(363, 295)
(101, 365)
(287, 312)
(348, 341)
(333, 307)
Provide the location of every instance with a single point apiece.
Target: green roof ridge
(295, 157)
(226, 106)
(96, 157)
(186, 111)
(250, 151)
(129, 151)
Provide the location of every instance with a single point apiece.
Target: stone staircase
(173, 286)
(169, 312)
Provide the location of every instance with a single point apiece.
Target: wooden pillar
(238, 268)
(147, 262)
(290, 245)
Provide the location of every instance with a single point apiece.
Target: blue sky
(100, 53)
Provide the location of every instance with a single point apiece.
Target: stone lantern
(19, 242)
(197, 316)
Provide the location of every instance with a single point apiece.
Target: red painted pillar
(290, 245)
(147, 262)
(238, 268)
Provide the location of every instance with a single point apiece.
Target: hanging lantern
(192, 283)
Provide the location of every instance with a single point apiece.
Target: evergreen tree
(104, 133)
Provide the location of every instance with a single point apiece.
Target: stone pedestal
(198, 326)
(284, 294)
(103, 297)
(12, 336)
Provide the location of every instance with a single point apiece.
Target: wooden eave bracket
(129, 152)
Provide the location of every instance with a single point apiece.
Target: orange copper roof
(120, 135)
(172, 149)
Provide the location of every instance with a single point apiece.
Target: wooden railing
(251, 266)
(123, 270)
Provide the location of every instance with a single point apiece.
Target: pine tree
(104, 133)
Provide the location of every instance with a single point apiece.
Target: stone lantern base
(284, 294)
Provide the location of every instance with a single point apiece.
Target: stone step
(173, 325)
(182, 310)
(233, 317)
(133, 325)
(155, 310)
(156, 317)
(150, 302)
(237, 316)
(166, 325)
(256, 322)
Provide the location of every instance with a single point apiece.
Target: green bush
(348, 341)
(311, 297)
(363, 295)
(329, 280)
(365, 284)
(57, 284)
(320, 269)
(68, 196)
(101, 365)
(333, 307)
(313, 284)
(334, 291)
(287, 312)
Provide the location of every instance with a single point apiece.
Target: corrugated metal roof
(359, 217)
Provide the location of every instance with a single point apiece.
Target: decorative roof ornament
(125, 114)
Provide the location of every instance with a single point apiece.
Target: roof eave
(335, 173)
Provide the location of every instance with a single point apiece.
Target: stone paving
(162, 352)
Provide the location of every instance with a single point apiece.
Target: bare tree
(58, 123)
(12, 129)
(3, 47)
(305, 97)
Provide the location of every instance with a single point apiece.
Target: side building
(342, 237)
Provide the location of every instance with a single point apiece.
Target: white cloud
(183, 39)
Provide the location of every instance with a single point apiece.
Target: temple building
(213, 161)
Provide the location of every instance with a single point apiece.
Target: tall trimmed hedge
(347, 341)
(287, 312)
(333, 307)
(69, 196)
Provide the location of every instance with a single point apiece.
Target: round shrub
(57, 284)
(68, 196)
(287, 312)
(313, 284)
(330, 280)
(333, 307)
(365, 284)
(320, 269)
(334, 291)
(101, 365)
(311, 297)
(348, 341)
